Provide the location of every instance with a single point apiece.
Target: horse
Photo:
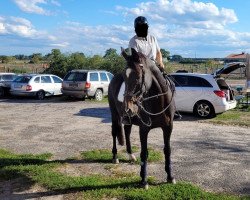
(148, 103)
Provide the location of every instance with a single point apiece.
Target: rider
(145, 43)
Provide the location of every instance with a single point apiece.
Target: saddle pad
(121, 93)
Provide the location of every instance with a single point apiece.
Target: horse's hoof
(115, 161)
(132, 157)
(146, 187)
(172, 181)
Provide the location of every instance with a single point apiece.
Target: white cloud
(183, 12)
(31, 6)
(35, 6)
(23, 28)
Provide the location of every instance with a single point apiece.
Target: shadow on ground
(102, 113)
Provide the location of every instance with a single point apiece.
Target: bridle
(138, 97)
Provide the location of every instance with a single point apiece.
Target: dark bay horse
(148, 103)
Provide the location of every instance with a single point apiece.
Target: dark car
(5, 82)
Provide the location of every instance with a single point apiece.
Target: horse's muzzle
(130, 107)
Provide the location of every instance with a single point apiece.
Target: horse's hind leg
(167, 152)
(127, 130)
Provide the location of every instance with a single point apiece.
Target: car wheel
(2, 93)
(204, 109)
(40, 95)
(98, 95)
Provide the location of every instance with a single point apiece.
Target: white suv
(204, 94)
(38, 85)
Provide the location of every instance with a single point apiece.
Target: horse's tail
(117, 130)
(120, 135)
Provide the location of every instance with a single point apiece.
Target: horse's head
(136, 80)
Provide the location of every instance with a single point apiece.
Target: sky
(200, 28)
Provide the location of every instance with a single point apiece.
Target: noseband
(137, 95)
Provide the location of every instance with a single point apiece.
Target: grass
(105, 155)
(239, 117)
(40, 170)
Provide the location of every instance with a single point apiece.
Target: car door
(189, 90)
(57, 85)
(182, 95)
(47, 84)
(104, 82)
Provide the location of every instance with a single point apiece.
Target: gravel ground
(215, 157)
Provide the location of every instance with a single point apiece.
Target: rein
(139, 99)
(139, 103)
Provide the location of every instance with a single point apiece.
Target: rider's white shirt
(148, 46)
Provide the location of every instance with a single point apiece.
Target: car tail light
(28, 88)
(87, 85)
(220, 93)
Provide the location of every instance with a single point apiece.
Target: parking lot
(214, 157)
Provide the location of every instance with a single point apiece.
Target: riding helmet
(141, 26)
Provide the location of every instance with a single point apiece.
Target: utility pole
(248, 72)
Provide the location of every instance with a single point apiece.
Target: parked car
(5, 82)
(86, 84)
(37, 85)
(204, 94)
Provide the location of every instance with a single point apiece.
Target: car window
(22, 79)
(103, 76)
(93, 76)
(76, 76)
(8, 77)
(190, 81)
(37, 79)
(56, 79)
(198, 82)
(45, 79)
(180, 81)
(110, 76)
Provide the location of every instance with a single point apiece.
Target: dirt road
(215, 157)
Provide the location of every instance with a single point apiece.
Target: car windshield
(76, 76)
(8, 77)
(22, 79)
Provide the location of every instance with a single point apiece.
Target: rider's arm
(159, 59)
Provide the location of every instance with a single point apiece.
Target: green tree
(110, 53)
(36, 58)
(58, 63)
(176, 58)
(8, 59)
(76, 61)
(165, 54)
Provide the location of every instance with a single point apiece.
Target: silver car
(5, 82)
(86, 84)
(37, 85)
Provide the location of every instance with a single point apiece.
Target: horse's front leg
(144, 155)
(116, 127)
(167, 130)
(127, 130)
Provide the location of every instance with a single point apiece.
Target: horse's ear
(124, 53)
(135, 55)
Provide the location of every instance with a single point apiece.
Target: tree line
(59, 63)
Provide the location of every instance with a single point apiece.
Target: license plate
(73, 85)
(17, 86)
